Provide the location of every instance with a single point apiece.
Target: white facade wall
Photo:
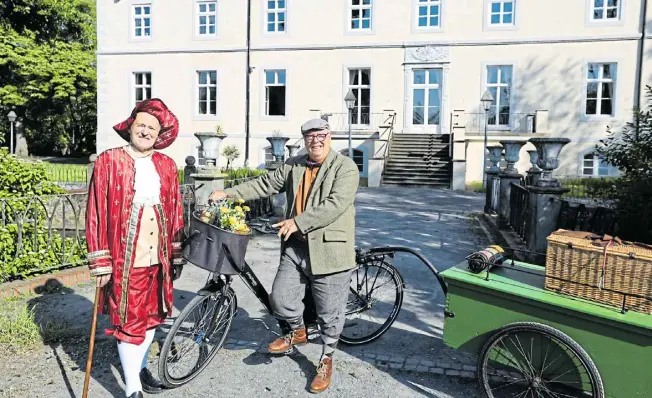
(549, 47)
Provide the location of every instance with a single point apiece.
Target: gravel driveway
(409, 360)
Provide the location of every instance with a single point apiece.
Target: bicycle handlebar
(395, 249)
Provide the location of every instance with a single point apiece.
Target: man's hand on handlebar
(218, 195)
(286, 228)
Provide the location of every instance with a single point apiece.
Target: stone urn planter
(278, 146)
(512, 151)
(495, 153)
(548, 150)
(210, 146)
(294, 150)
(534, 158)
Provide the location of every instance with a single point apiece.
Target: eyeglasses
(315, 137)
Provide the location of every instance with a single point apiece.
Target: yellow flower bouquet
(229, 215)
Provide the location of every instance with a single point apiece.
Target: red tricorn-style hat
(167, 119)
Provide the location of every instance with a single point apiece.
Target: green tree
(231, 153)
(48, 72)
(631, 151)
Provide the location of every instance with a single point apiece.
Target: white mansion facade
(555, 68)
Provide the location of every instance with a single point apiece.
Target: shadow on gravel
(64, 319)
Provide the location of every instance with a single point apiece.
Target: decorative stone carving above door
(427, 54)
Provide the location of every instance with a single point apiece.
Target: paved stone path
(409, 360)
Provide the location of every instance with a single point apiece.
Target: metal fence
(512, 122)
(360, 123)
(72, 176)
(46, 233)
(41, 234)
(519, 210)
(583, 217)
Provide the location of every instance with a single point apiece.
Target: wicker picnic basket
(600, 268)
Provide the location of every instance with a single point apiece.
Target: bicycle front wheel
(195, 337)
(375, 299)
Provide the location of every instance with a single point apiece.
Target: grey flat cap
(314, 124)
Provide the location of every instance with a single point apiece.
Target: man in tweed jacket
(318, 240)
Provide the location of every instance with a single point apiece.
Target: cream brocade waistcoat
(147, 186)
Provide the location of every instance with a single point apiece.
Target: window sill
(597, 118)
(359, 32)
(206, 117)
(268, 118)
(605, 22)
(205, 37)
(500, 27)
(427, 29)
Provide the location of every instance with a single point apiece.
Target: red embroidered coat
(112, 225)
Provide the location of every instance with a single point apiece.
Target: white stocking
(149, 337)
(131, 358)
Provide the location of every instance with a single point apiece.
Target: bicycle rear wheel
(375, 299)
(195, 337)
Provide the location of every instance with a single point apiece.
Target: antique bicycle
(200, 330)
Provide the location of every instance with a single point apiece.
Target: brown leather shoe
(284, 343)
(323, 378)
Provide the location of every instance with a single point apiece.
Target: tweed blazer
(329, 219)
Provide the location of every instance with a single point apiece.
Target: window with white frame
(426, 96)
(276, 16)
(142, 86)
(360, 14)
(207, 18)
(428, 13)
(142, 18)
(358, 158)
(207, 93)
(600, 82)
(499, 84)
(605, 10)
(360, 84)
(594, 166)
(501, 12)
(275, 92)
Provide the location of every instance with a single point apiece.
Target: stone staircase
(418, 160)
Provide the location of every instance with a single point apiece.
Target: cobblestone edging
(43, 283)
(384, 362)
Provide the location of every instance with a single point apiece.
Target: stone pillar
(279, 203)
(495, 154)
(544, 208)
(207, 181)
(90, 167)
(189, 170)
(507, 177)
(544, 196)
(458, 130)
(208, 178)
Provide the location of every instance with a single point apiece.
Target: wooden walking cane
(91, 344)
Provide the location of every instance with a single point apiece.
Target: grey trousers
(330, 292)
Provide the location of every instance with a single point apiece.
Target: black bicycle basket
(215, 249)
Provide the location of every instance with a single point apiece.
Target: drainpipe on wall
(247, 84)
(639, 66)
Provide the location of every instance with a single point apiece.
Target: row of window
(425, 93)
(427, 15)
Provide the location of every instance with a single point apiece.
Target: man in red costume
(134, 229)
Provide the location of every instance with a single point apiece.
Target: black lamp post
(487, 99)
(349, 99)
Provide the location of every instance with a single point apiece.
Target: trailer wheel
(528, 359)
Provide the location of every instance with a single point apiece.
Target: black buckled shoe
(149, 382)
(137, 394)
